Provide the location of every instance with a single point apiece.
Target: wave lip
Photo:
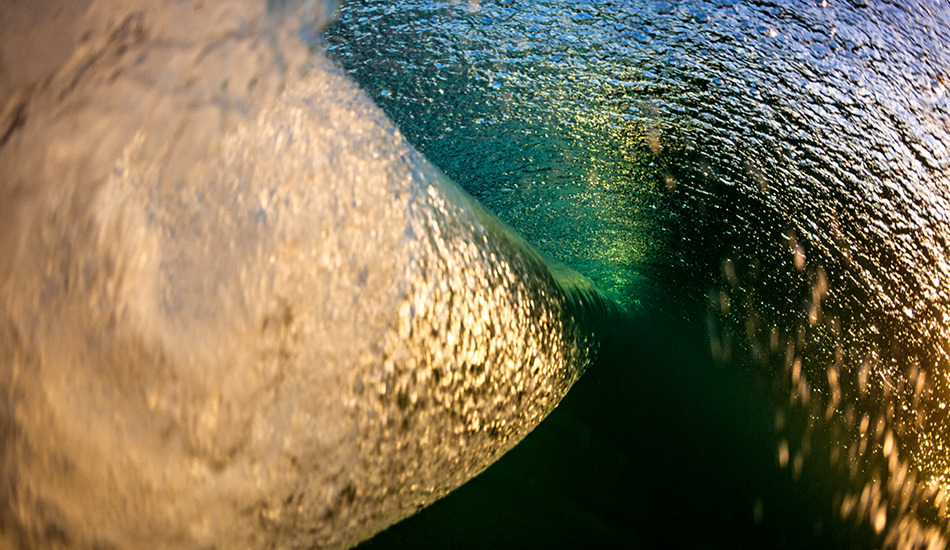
(253, 317)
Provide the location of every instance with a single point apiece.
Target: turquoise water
(762, 185)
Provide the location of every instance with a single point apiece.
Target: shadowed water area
(763, 184)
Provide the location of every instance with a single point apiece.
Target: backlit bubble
(783, 453)
(880, 519)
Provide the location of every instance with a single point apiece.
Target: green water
(761, 185)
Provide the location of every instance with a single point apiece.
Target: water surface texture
(767, 182)
(243, 303)
(237, 308)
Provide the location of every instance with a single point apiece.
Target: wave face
(238, 309)
(773, 173)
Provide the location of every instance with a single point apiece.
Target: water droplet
(880, 519)
(888, 444)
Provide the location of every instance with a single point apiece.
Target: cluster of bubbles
(861, 405)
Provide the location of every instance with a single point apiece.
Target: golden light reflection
(873, 390)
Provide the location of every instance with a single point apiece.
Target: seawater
(763, 186)
(224, 273)
(237, 308)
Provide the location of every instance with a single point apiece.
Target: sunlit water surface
(762, 185)
(765, 186)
